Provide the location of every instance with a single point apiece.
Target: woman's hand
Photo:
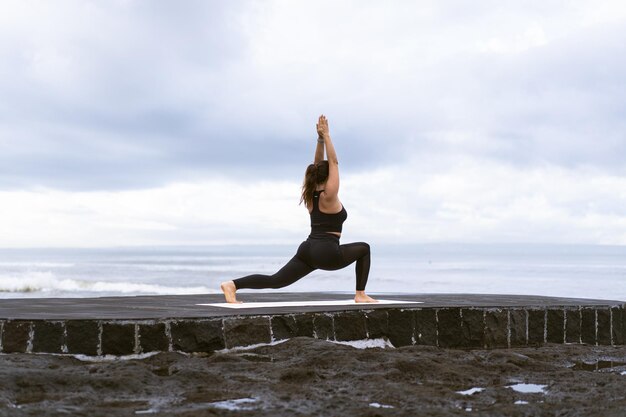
(322, 127)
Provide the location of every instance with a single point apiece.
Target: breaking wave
(46, 284)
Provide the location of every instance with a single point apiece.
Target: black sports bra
(325, 222)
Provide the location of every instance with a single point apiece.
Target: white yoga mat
(305, 303)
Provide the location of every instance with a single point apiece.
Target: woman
(322, 249)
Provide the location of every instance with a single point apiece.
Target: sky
(191, 123)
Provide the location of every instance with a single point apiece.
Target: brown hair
(315, 174)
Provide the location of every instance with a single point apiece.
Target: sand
(304, 376)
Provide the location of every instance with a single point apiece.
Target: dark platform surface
(184, 306)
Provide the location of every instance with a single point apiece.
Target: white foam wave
(27, 282)
(47, 284)
(190, 268)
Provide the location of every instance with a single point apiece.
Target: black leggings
(321, 251)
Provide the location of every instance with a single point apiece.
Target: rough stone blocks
(201, 336)
(83, 336)
(518, 328)
(473, 328)
(496, 328)
(588, 325)
(536, 327)
(283, 326)
(350, 325)
(425, 326)
(118, 338)
(604, 326)
(323, 326)
(624, 324)
(555, 326)
(291, 325)
(48, 336)
(401, 325)
(449, 327)
(152, 338)
(244, 331)
(377, 323)
(15, 335)
(572, 325)
(446, 327)
(618, 326)
(304, 325)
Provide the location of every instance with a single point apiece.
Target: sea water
(583, 271)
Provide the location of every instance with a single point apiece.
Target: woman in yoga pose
(321, 250)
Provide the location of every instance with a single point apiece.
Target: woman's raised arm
(332, 185)
(319, 150)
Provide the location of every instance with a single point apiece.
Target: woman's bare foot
(361, 297)
(229, 289)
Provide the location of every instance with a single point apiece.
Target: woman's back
(323, 221)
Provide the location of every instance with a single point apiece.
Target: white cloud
(473, 200)
(200, 213)
(532, 37)
(480, 122)
(444, 200)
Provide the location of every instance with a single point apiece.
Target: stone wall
(450, 327)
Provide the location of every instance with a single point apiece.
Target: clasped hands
(322, 127)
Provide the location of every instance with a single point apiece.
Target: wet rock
(350, 325)
(307, 376)
(572, 327)
(473, 328)
(298, 375)
(323, 326)
(425, 327)
(153, 337)
(377, 323)
(496, 324)
(48, 336)
(555, 326)
(118, 339)
(283, 326)
(304, 325)
(604, 326)
(401, 327)
(618, 325)
(291, 325)
(198, 336)
(15, 335)
(623, 325)
(518, 327)
(449, 327)
(536, 327)
(31, 393)
(588, 326)
(244, 331)
(83, 336)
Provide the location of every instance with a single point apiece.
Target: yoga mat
(304, 303)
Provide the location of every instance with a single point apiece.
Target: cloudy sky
(165, 123)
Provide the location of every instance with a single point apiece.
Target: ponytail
(315, 174)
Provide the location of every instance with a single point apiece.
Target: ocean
(582, 271)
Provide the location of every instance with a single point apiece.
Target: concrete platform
(127, 325)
